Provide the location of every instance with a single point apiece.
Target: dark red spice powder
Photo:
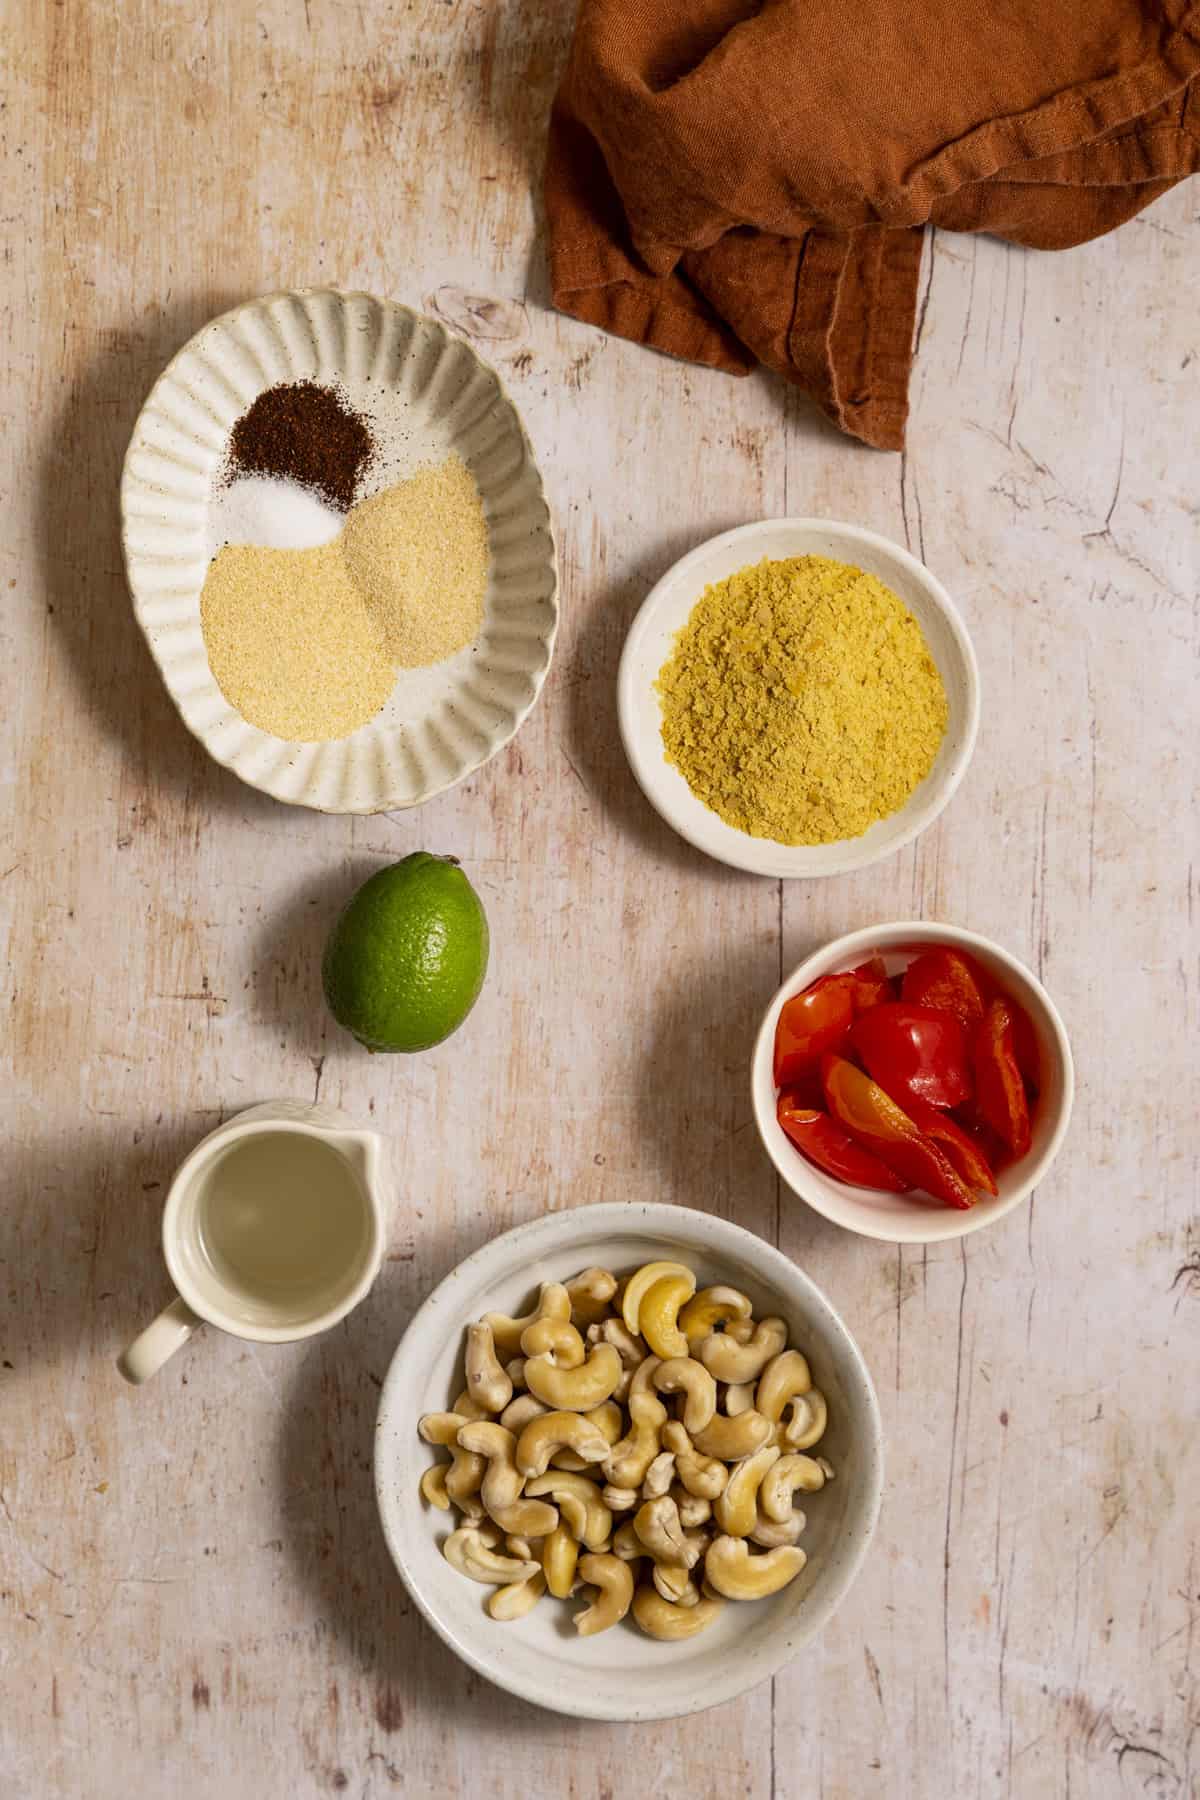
(306, 432)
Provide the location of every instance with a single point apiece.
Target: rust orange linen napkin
(742, 181)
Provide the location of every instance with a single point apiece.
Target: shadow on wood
(590, 678)
(82, 567)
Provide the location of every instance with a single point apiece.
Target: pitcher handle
(161, 1339)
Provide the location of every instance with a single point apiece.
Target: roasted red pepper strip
(947, 980)
(872, 986)
(960, 1147)
(860, 1106)
(817, 1137)
(1025, 1044)
(914, 1053)
(999, 1089)
(811, 1023)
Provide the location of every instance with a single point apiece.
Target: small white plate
(427, 394)
(666, 610)
(621, 1674)
(899, 1218)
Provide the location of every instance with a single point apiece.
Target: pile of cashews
(568, 1470)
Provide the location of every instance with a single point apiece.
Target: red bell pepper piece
(962, 1150)
(817, 1137)
(860, 1106)
(914, 1053)
(999, 1089)
(948, 981)
(1025, 1044)
(810, 1023)
(872, 984)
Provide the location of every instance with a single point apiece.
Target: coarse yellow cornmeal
(292, 643)
(801, 702)
(419, 552)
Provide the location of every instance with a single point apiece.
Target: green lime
(405, 962)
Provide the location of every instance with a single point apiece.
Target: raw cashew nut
(468, 1550)
(643, 1376)
(501, 1490)
(736, 1511)
(607, 1418)
(468, 1408)
(806, 1427)
(473, 1510)
(560, 1553)
(657, 1525)
(555, 1338)
(612, 1331)
(551, 1431)
(659, 1476)
(711, 1307)
(614, 1579)
(465, 1474)
(518, 1598)
(781, 1482)
(694, 1509)
(589, 1294)
(659, 1313)
(433, 1486)
(683, 1375)
(770, 1534)
(702, 1476)
(784, 1376)
(619, 1499)
(674, 1583)
(627, 1462)
(519, 1547)
(575, 1390)
(626, 1543)
(628, 1348)
(487, 1383)
(731, 1439)
(639, 1285)
(553, 1303)
(730, 1568)
(739, 1397)
(519, 1411)
(665, 1620)
(587, 1517)
(729, 1360)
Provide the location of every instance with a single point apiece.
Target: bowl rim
(922, 1226)
(128, 479)
(761, 856)
(551, 1231)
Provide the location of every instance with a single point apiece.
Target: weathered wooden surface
(194, 1593)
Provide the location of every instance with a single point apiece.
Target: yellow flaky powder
(419, 552)
(801, 702)
(291, 642)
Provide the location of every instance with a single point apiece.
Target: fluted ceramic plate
(427, 395)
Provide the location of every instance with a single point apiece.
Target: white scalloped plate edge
(475, 703)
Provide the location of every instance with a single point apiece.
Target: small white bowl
(622, 1674)
(898, 1218)
(665, 611)
(427, 394)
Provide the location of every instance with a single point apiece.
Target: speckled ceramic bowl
(427, 394)
(621, 1674)
(651, 641)
(905, 1218)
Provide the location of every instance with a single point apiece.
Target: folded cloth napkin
(742, 181)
